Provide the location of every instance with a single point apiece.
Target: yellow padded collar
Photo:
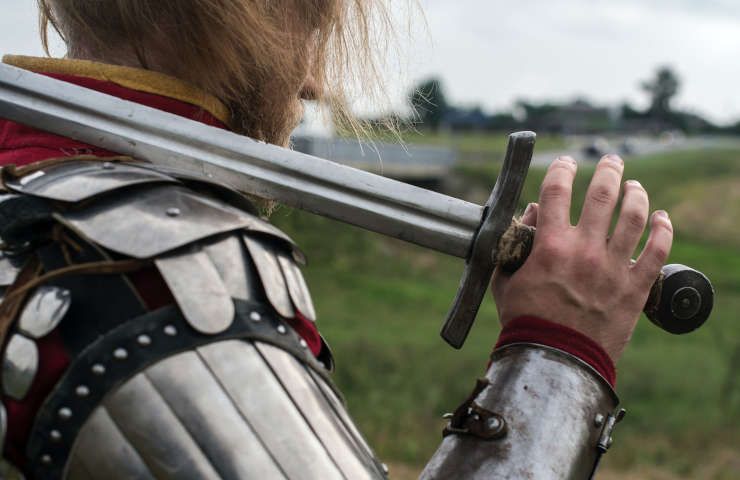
(134, 78)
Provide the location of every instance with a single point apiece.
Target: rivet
(82, 391)
(599, 420)
(98, 369)
(108, 166)
(144, 340)
(120, 353)
(493, 423)
(282, 330)
(255, 316)
(170, 330)
(55, 435)
(46, 459)
(385, 468)
(173, 212)
(303, 343)
(65, 413)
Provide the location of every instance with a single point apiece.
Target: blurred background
(656, 81)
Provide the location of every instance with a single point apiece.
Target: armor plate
(217, 385)
(540, 413)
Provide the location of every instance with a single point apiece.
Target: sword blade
(370, 201)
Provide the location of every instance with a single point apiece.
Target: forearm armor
(540, 413)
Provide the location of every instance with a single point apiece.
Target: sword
(429, 219)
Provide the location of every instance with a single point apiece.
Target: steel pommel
(685, 300)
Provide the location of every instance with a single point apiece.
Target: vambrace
(540, 413)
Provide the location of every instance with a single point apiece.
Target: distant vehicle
(627, 147)
(596, 148)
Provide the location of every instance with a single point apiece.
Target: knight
(155, 325)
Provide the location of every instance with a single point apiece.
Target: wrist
(530, 329)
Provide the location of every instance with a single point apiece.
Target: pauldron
(211, 384)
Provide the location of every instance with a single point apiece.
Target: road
(638, 146)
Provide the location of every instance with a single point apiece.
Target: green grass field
(381, 303)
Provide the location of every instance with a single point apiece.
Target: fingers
(601, 197)
(555, 194)
(656, 250)
(529, 217)
(632, 220)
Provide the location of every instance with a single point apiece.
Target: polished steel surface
(3, 426)
(139, 225)
(44, 310)
(549, 400)
(233, 265)
(273, 281)
(345, 446)
(20, 364)
(199, 401)
(297, 286)
(403, 211)
(197, 287)
(102, 451)
(9, 268)
(156, 432)
(266, 406)
(74, 182)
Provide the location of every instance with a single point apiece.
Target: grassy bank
(381, 303)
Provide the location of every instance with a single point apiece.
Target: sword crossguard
(479, 266)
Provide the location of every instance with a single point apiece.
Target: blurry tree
(428, 101)
(662, 88)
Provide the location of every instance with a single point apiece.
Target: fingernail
(614, 159)
(662, 214)
(567, 159)
(633, 183)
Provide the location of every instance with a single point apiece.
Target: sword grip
(680, 300)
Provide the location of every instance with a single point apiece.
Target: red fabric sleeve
(551, 334)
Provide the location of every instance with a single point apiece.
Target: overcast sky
(492, 52)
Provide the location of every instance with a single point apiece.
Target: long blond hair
(253, 55)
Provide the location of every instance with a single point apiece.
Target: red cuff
(551, 334)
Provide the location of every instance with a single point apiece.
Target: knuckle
(601, 195)
(635, 219)
(554, 190)
(550, 249)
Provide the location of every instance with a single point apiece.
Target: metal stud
(170, 330)
(282, 330)
(144, 340)
(599, 420)
(255, 316)
(108, 166)
(303, 343)
(82, 391)
(173, 212)
(46, 459)
(98, 369)
(494, 423)
(55, 435)
(65, 413)
(120, 353)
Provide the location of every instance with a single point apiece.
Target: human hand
(579, 276)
